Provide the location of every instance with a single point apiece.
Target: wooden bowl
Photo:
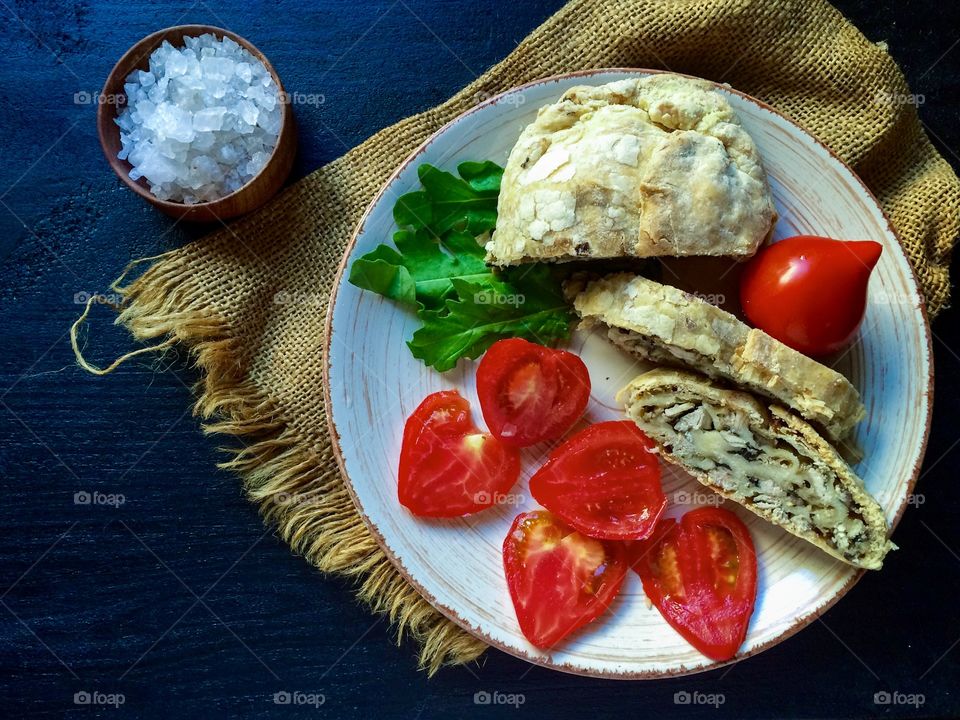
(255, 193)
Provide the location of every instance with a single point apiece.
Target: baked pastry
(763, 457)
(658, 165)
(670, 327)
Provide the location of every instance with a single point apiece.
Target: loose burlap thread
(261, 359)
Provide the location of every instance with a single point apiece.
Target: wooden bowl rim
(113, 86)
(450, 613)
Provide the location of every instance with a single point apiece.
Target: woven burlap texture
(261, 359)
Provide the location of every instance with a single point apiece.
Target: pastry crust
(642, 167)
(763, 457)
(670, 327)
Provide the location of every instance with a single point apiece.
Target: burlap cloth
(261, 359)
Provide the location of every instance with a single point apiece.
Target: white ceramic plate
(373, 384)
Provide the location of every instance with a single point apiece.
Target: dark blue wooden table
(172, 596)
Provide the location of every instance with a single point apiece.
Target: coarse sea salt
(201, 122)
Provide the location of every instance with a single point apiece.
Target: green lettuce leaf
(437, 266)
(484, 177)
(465, 204)
(483, 312)
(420, 270)
(414, 210)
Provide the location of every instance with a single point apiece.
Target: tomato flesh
(809, 292)
(530, 393)
(604, 481)
(701, 574)
(559, 579)
(449, 468)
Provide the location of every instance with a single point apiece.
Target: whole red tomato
(809, 292)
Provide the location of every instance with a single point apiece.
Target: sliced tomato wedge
(530, 393)
(604, 481)
(701, 574)
(448, 467)
(559, 580)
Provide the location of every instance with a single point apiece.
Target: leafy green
(421, 272)
(438, 267)
(414, 210)
(465, 204)
(484, 312)
(484, 177)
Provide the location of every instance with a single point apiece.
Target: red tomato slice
(530, 393)
(604, 481)
(701, 574)
(559, 580)
(448, 467)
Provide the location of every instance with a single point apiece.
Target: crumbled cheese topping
(552, 160)
(626, 150)
(547, 210)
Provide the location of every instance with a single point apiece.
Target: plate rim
(801, 622)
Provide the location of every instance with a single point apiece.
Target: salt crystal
(201, 122)
(217, 67)
(176, 65)
(228, 154)
(125, 121)
(185, 95)
(255, 93)
(270, 122)
(174, 123)
(204, 140)
(268, 101)
(209, 119)
(257, 162)
(248, 112)
(244, 71)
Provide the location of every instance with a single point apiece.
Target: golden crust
(652, 166)
(859, 538)
(668, 326)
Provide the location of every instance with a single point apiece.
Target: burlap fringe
(296, 485)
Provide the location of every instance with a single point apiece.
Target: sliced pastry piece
(658, 165)
(670, 327)
(763, 457)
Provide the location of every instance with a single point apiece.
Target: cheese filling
(779, 474)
